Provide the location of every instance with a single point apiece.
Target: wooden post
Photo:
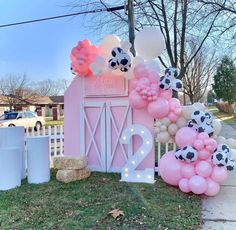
(131, 25)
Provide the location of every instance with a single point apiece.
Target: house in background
(43, 105)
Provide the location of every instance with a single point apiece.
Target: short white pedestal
(10, 168)
(38, 161)
(14, 137)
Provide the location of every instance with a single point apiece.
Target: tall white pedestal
(10, 168)
(14, 137)
(38, 161)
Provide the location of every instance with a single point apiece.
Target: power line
(116, 8)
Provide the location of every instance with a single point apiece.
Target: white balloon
(200, 106)
(232, 143)
(163, 137)
(125, 45)
(109, 42)
(217, 127)
(149, 43)
(172, 129)
(181, 122)
(166, 121)
(137, 60)
(163, 128)
(187, 111)
(153, 65)
(220, 140)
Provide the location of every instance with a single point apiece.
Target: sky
(41, 50)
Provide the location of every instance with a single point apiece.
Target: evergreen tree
(225, 81)
(210, 97)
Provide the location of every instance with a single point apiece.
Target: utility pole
(131, 25)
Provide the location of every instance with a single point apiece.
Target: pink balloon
(202, 136)
(183, 185)
(140, 71)
(219, 174)
(185, 136)
(213, 188)
(136, 101)
(178, 111)
(211, 144)
(169, 168)
(173, 117)
(203, 168)
(167, 94)
(203, 154)
(159, 108)
(197, 184)
(175, 102)
(188, 171)
(198, 144)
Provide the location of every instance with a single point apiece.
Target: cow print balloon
(231, 165)
(220, 156)
(170, 81)
(188, 154)
(120, 60)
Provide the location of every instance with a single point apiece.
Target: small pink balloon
(198, 144)
(185, 136)
(140, 71)
(183, 185)
(211, 145)
(173, 117)
(197, 184)
(136, 101)
(169, 168)
(213, 188)
(167, 94)
(219, 174)
(202, 136)
(178, 111)
(159, 108)
(203, 168)
(174, 101)
(187, 171)
(203, 154)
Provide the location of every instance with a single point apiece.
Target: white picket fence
(56, 134)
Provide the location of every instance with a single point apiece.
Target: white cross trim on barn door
(112, 126)
(86, 125)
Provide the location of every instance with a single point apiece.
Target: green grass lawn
(51, 122)
(227, 118)
(85, 205)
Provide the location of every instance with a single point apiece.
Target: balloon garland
(203, 159)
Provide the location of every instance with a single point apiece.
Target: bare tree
(199, 73)
(15, 90)
(176, 19)
(51, 87)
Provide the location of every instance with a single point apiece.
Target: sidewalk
(219, 213)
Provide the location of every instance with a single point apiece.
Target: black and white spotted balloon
(120, 60)
(170, 81)
(188, 154)
(202, 122)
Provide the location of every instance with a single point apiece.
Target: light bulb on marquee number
(146, 175)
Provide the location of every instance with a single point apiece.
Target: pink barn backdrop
(96, 112)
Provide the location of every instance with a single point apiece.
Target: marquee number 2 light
(129, 172)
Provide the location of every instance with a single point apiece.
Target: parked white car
(26, 119)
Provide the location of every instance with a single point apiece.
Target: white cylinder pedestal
(10, 168)
(14, 137)
(38, 161)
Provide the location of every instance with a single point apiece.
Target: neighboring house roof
(57, 99)
(38, 100)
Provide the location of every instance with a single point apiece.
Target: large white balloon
(149, 43)
(153, 65)
(109, 42)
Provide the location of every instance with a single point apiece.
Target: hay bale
(67, 176)
(69, 162)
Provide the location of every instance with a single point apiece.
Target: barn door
(118, 117)
(93, 134)
(101, 126)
